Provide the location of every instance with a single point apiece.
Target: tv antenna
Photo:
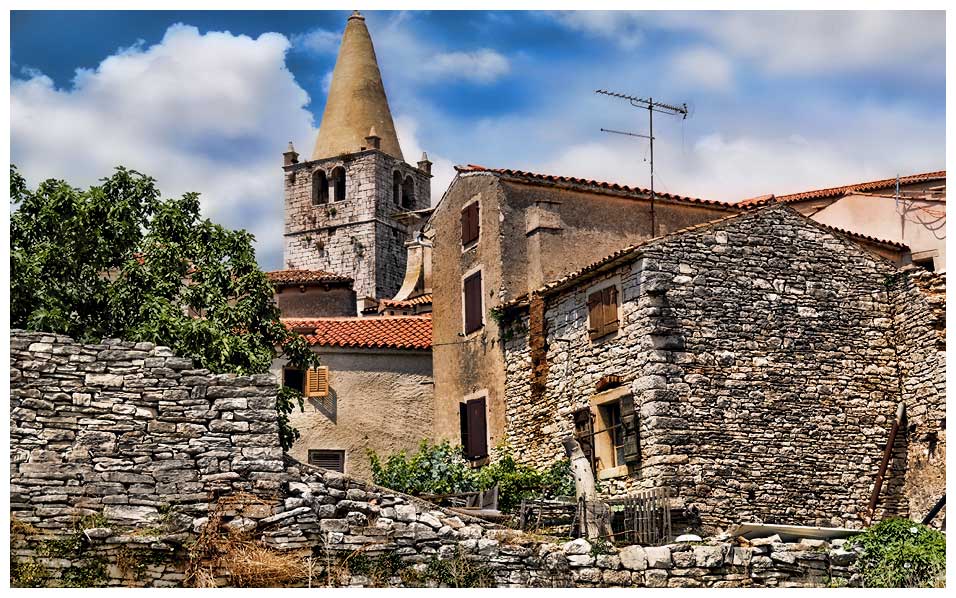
(651, 106)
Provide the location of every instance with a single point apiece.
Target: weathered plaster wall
(315, 301)
(126, 462)
(380, 400)
(761, 354)
(358, 237)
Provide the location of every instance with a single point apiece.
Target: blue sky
(207, 100)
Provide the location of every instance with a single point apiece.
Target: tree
(116, 260)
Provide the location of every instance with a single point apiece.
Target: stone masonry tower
(341, 206)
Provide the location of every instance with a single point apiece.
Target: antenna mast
(651, 107)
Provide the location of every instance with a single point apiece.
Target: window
(320, 188)
(473, 304)
(293, 378)
(338, 183)
(317, 382)
(607, 432)
(408, 193)
(602, 312)
(327, 459)
(469, 224)
(474, 429)
(926, 264)
(397, 188)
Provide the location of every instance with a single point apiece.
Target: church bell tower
(341, 205)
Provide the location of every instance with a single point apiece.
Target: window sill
(613, 472)
(466, 248)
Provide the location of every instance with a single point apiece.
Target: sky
(207, 101)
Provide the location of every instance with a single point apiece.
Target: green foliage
(28, 574)
(899, 553)
(116, 260)
(89, 574)
(442, 469)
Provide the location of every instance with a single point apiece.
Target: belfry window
(320, 188)
(408, 193)
(338, 183)
(397, 188)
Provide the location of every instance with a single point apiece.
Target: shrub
(442, 469)
(899, 553)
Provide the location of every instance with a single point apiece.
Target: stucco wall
(380, 400)
(315, 301)
(529, 234)
(761, 355)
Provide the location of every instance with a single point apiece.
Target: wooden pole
(887, 454)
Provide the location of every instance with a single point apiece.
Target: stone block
(658, 557)
(633, 557)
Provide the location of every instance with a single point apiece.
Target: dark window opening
(473, 303)
(338, 183)
(474, 429)
(397, 188)
(469, 224)
(293, 378)
(408, 193)
(327, 459)
(611, 414)
(926, 264)
(320, 188)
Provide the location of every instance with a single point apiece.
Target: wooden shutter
(609, 300)
(317, 382)
(477, 430)
(469, 224)
(596, 315)
(584, 434)
(629, 430)
(473, 303)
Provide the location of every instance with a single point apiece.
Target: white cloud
(701, 68)
(622, 28)
(320, 41)
(210, 113)
(481, 66)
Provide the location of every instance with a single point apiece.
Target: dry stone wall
(762, 355)
(129, 468)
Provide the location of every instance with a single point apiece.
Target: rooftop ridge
(842, 189)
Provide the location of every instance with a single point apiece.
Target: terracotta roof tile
(551, 179)
(385, 332)
(304, 276)
(392, 303)
(843, 190)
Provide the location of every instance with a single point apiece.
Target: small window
(469, 224)
(584, 433)
(474, 429)
(473, 303)
(408, 193)
(327, 459)
(926, 264)
(320, 188)
(608, 434)
(293, 378)
(397, 188)
(611, 419)
(338, 184)
(602, 312)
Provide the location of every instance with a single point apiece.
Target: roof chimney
(425, 164)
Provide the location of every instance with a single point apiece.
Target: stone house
(496, 235)
(915, 215)
(375, 390)
(752, 365)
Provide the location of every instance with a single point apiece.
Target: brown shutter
(595, 315)
(317, 382)
(610, 309)
(477, 430)
(473, 303)
(630, 431)
(469, 224)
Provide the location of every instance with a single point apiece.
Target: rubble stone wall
(125, 461)
(761, 353)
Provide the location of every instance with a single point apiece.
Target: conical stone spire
(356, 101)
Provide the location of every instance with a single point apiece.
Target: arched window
(408, 193)
(338, 183)
(397, 188)
(320, 188)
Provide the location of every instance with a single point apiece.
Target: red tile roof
(304, 277)
(844, 190)
(392, 303)
(385, 332)
(550, 179)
